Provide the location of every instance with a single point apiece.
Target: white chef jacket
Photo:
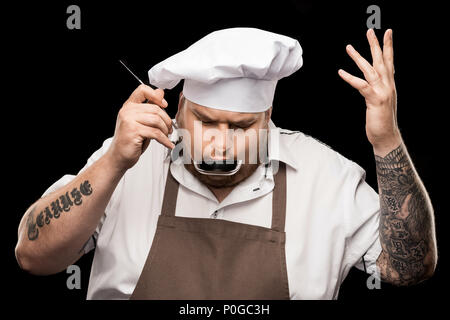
(332, 215)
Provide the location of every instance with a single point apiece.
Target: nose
(222, 141)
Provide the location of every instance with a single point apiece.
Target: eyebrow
(200, 115)
(206, 118)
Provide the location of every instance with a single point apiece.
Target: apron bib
(203, 258)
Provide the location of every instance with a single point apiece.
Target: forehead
(220, 115)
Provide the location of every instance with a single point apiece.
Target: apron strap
(170, 195)
(279, 199)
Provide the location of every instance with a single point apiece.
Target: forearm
(53, 231)
(406, 224)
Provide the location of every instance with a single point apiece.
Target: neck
(221, 186)
(221, 193)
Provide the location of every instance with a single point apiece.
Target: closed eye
(243, 125)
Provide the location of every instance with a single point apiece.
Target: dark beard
(244, 172)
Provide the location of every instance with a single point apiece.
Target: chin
(218, 181)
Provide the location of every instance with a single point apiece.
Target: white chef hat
(234, 69)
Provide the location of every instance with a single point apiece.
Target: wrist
(112, 166)
(383, 148)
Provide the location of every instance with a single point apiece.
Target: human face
(220, 135)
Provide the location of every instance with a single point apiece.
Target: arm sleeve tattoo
(406, 222)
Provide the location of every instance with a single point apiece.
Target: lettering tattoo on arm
(62, 204)
(405, 222)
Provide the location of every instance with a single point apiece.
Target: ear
(181, 102)
(268, 114)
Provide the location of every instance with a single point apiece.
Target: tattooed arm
(407, 237)
(53, 231)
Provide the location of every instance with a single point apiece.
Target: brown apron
(203, 258)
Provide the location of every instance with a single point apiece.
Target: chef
(177, 209)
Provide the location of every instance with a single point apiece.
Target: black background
(63, 89)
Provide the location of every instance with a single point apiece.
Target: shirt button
(214, 215)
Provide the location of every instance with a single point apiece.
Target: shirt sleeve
(64, 180)
(363, 218)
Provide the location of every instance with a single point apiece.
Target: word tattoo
(404, 223)
(58, 206)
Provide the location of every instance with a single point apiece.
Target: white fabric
(234, 69)
(332, 216)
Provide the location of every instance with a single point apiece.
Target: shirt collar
(279, 146)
